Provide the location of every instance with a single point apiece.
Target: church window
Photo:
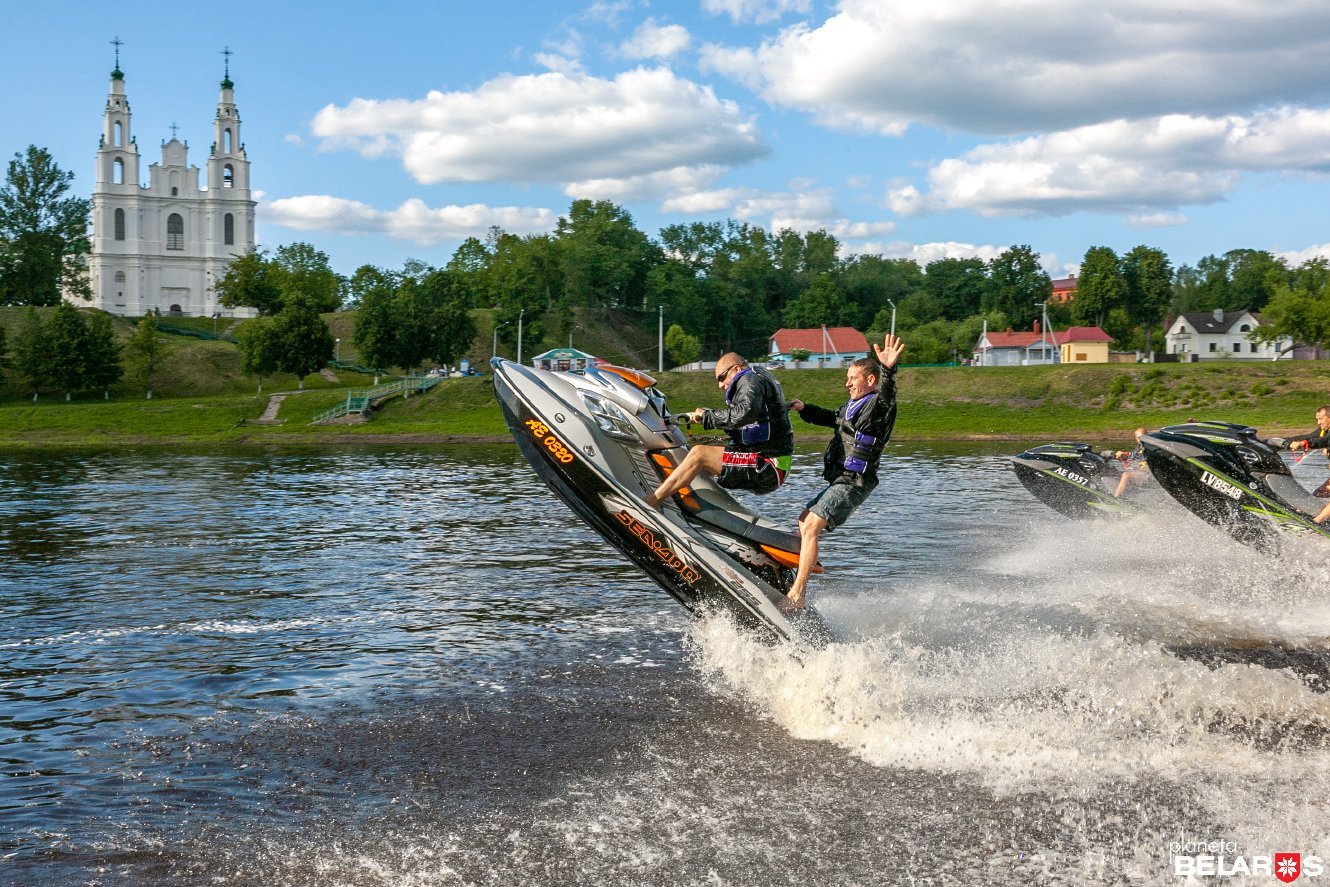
(120, 277)
(175, 232)
(229, 229)
(118, 172)
(119, 224)
(175, 192)
(119, 134)
(226, 141)
(228, 176)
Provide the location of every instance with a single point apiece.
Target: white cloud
(1297, 258)
(554, 127)
(1013, 66)
(413, 220)
(1137, 167)
(803, 209)
(756, 11)
(680, 180)
(1156, 220)
(653, 41)
(923, 253)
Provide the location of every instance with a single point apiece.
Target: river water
(414, 667)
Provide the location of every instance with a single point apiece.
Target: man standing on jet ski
(757, 421)
(863, 427)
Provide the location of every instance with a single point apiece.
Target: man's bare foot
(789, 605)
(651, 500)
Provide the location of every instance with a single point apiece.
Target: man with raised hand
(863, 427)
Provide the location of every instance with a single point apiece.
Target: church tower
(162, 246)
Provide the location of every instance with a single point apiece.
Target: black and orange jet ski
(1229, 477)
(602, 439)
(1074, 480)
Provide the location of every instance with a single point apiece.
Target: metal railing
(360, 401)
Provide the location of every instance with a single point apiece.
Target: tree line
(722, 286)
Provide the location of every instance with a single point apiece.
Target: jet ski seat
(1294, 495)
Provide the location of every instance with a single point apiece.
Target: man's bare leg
(811, 527)
(699, 459)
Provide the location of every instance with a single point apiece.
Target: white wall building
(1222, 335)
(164, 244)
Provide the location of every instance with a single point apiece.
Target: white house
(1221, 335)
(164, 245)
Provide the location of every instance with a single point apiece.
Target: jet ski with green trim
(1226, 475)
(1073, 479)
(602, 439)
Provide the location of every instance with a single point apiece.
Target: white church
(162, 246)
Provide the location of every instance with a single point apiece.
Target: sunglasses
(720, 377)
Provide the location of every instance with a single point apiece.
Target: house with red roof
(1084, 344)
(1064, 290)
(834, 345)
(1079, 344)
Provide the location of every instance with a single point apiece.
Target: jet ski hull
(1071, 479)
(603, 479)
(1231, 479)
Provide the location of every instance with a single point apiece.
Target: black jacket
(1315, 441)
(754, 397)
(875, 419)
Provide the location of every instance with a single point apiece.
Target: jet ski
(602, 439)
(1229, 477)
(1073, 479)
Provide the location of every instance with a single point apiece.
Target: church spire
(226, 75)
(117, 74)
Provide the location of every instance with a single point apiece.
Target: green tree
(144, 351)
(1101, 287)
(376, 318)
(1017, 286)
(101, 354)
(302, 341)
(300, 270)
(958, 285)
(258, 348)
(605, 258)
(32, 352)
(681, 347)
(43, 233)
(454, 331)
(66, 337)
(872, 283)
(4, 352)
(1148, 275)
(822, 303)
(1299, 310)
(249, 282)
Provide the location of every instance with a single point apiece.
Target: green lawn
(961, 403)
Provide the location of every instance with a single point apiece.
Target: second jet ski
(1228, 476)
(1073, 479)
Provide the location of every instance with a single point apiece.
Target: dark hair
(868, 367)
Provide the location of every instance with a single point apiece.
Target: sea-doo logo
(658, 548)
(1072, 476)
(1223, 486)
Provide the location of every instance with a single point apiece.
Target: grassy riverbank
(1018, 403)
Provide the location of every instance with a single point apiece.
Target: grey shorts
(837, 502)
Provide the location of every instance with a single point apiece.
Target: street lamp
(520, 314)
(337, 350)
(893, 316)
(576, 326)
(660, 339)
(494, 349)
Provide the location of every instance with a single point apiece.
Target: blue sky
(393, 130)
